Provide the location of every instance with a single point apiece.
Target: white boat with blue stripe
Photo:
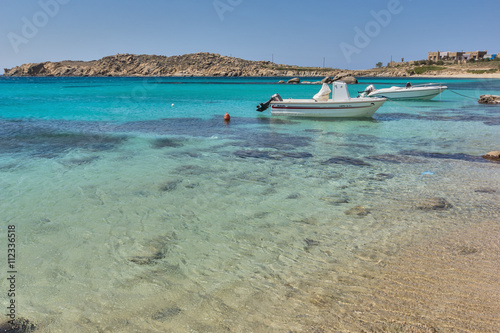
(340, 105)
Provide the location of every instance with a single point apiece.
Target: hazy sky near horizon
(351, 34)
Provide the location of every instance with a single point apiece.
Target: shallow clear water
(139, 209)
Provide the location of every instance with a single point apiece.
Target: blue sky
(351, 34)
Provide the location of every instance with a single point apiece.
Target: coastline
(347, 73)
(457, 76)
(205, 64)
(462, 76)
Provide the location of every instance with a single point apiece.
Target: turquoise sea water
(137, 208)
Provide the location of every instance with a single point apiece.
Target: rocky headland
(196, 64)
(210, 64)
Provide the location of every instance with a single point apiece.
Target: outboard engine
(263, 106)
(368, 90)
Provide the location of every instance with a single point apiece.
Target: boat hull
(362, 108)
(424, 93)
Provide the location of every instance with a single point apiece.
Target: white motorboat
(421, 91)
(339, 106)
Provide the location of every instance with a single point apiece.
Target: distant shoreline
(214, 65)
(457, 76)
(463, 76)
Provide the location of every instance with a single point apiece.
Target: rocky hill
(198, 64)
(210, 64)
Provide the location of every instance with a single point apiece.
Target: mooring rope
(461, 94)
(415, 109)
(404, 106)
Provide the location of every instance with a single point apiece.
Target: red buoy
(227, 117)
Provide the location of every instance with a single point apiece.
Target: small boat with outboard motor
(421, 91)
(340, 105)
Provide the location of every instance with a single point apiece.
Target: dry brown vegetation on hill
(210, 64)
(198, 64)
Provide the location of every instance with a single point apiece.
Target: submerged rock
(170, 186)
(466, 250)
(154, 250)
(358, 211)
(310, 243)
(166, 142)
(272, 155)
(449, 156)
(147, 259)
(40, 142)
(254, 154)
(276, 141)
(300, 154)
(80, 161)
(381, 176)
(485, 190)
(18, 325)
(395, 159)
(336, 199)
(489, 99)
(166, 314)
(346, 160)
(8, 167)
(434, 204)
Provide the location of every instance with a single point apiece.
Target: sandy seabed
(445, 283)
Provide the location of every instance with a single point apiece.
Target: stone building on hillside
(476, 55)
(456, 56)
(433, 56)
